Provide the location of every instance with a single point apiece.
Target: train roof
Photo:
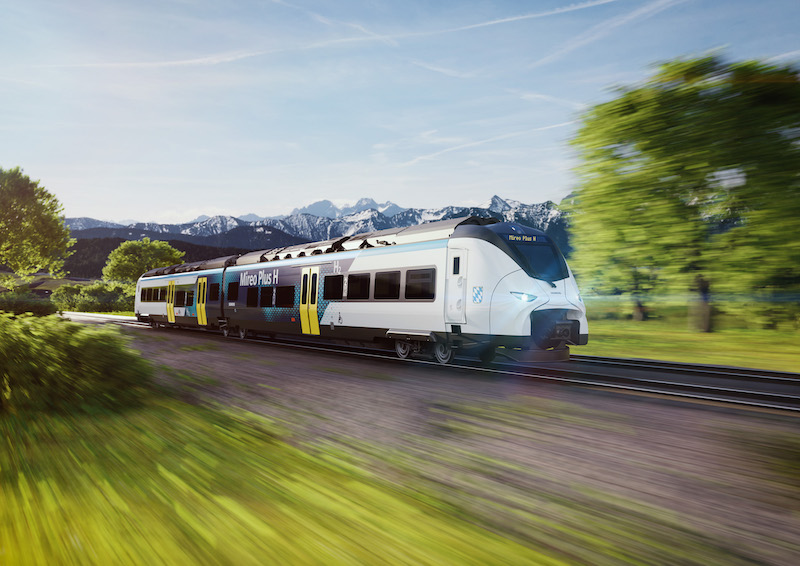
(392, 236)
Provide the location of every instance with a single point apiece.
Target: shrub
(52, 364)
(23, 301)
(100, 296)
(65, 298)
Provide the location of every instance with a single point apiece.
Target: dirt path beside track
(529, 459)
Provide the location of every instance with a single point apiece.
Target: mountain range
(321, 221)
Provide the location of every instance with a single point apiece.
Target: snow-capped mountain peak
(365, 216)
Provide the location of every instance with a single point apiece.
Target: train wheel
(442, 353)
(487, 355)
(242, 333)
(226, 331)
(402, 349)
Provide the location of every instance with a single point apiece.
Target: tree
(33, 236)
(691, 180)
(132, 258)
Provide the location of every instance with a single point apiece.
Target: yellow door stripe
(171, 302)
(313, 293)
(202, 284)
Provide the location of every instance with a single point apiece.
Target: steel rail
(710, 369)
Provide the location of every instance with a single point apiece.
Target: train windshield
(541, 260)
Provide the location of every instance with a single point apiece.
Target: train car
(469, 284)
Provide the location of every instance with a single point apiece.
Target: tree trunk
(639, 311)
(700, 311)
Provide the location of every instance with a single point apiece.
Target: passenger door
(309, 292)
(202, 285)
(456, 287)
(171, 302)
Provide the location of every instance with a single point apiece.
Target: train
(467, 285)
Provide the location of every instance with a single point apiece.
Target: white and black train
(468, 284)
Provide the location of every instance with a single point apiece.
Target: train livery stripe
(171, 302)
(313, 295)
(202, 284)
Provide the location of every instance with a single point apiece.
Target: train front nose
(551, 328)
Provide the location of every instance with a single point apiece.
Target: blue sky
(166, 109)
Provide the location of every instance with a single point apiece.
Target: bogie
(442, 352)
(403, 348)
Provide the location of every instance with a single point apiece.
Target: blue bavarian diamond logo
(477, 294)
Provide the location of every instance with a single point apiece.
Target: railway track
(721, 384)
(744, 387)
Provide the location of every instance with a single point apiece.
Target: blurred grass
(178, 484)
(174, 483)
(668, 335)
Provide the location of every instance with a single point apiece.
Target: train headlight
(525, 297)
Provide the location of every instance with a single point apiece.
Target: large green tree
(33, 236)
(132, 258)
(692, 180)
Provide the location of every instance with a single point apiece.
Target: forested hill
(91, 254)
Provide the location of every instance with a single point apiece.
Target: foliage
(177, 484)
(91, 254)
(35, 237)
(20, 300)
(49, 364)
(134, 257)
(694, 173)
(100, 296)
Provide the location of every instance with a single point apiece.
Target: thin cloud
(478, 143)
(208, 60)
(602, 29)
(555, 100)
(445, 71)
(390, 39)
(332, 23)
(564, 10)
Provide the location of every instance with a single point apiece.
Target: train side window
(143, 296)
(189, 298)
(180, 298)
(284, 296)
(252, 296)
(162, 294)
(358, 286)
(420, 284)
(213, 292)
(266, 297)
(387, 285)
(233, 291)
(456, 265)
(334, 287)
(148, 295)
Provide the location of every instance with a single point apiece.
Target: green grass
(668, 335)
(179, 484)
(672, 340)
(173, 483)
